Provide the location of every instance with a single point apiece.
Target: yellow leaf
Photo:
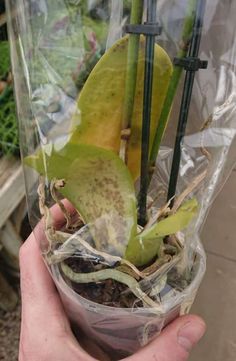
(99, 185)
(100, 103)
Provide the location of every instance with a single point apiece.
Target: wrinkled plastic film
(125, 330)
(115, 27)
(55, 48)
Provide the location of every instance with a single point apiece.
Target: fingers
(58, 217)
(45, 330)
(175, 342)
(40, 301)
(39, 295)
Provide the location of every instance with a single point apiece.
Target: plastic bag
(82, 91)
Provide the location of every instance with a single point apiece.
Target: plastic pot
(121, 332)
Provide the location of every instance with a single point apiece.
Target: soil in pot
(108, 293)
(115, 294)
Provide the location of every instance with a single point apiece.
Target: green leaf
(141, 252)
(101, 102)
(100, 187)
(145, 246)
(173, 223)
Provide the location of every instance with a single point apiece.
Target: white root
(54, 186)
(118, 276)
(60, 255)
(45, 212)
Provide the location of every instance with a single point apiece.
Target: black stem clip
(191, 63)
(151, 29)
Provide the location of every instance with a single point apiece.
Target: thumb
(175, 342)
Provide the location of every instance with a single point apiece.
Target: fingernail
(190, 334)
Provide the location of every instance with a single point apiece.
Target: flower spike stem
(131, 77)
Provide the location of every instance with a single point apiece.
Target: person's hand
(45, 330)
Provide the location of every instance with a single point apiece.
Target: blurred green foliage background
(9, 143)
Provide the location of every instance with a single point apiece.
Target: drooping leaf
(173, 223)
(99, 185)
(100, 104)
(145, 246)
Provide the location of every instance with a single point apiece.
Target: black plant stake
(147, 105)
(191, 64)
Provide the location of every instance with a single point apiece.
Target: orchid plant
(98, 168)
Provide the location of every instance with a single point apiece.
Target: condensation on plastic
(50, 46)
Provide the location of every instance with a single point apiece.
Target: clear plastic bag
(76, 73)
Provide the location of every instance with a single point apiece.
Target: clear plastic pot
(121, 332)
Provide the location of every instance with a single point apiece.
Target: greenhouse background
(216, 299)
